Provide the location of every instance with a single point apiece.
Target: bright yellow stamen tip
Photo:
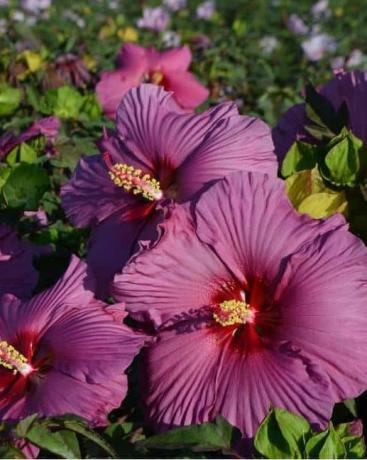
(134, 181)
(231, 312)
(156, 77)
(11, 359)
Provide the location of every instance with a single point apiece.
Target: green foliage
(215, 436)
(9, 99)
(25, 186)
(300, 156)
(286, 435)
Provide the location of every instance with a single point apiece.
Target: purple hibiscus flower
(64, 352)
(157, 155)
(17, 275)
(254, 306)
(48, 127)
(348, 87)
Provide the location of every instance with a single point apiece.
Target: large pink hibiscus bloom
(253, 305)
(137, 65)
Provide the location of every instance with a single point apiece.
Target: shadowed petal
(156, 285)
(17, 275)
(113, 242)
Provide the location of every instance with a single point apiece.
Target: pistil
(12, 359)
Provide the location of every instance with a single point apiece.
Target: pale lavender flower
(205, 10)
(321, 9)
(171, 39)
(174, 5)
(337, 63)
(316, 46)
(268, 44)
(3, 26)
(36, 6)
(355, 59)
(156, 19)
(39, 217)
(296, 25)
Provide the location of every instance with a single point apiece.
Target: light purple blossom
(156, 19)
(35, 6)
(248, 300)
(355, 59)
(205, 10)
(39, 216)
(174, 5)
(316, 46)
(337, 62)
(321, 9)
(296, 25)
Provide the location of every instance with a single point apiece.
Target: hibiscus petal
(156, 285)
(324, 290)
(17, 275)
(111, 88)
(252, 226)
(233, 144)
(91, 196)
(113, 242)
(187, 89)
(191, 377)
(132, 59)
(157, 132)
(175, 60)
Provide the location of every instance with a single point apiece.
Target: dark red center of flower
(247, 316)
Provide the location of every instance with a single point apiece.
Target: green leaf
(77, 425)
(206, 437)
(326, 444)
(9, 451)
(9, 99)
(282, 435)
(300, 156)
(59, 442)
(25, 186)
(345, 163)
(353, 443)
(64, 102)
(321, 205)
(24, 425)
(27, 154)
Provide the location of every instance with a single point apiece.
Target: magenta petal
(323, 290)
(113, 242)
(183, 285)
(233, 144)
(187, 89)
(175, 60)
(91, 196)
(17, 275)
(251, 224)
(157, 132)
(132, 59)
(190, 377)
(112, 87)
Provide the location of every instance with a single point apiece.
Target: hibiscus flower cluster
(197, 259)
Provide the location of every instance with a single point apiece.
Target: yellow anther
(133, 180)
(231, 312)
(156, 77)
(11, 359)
